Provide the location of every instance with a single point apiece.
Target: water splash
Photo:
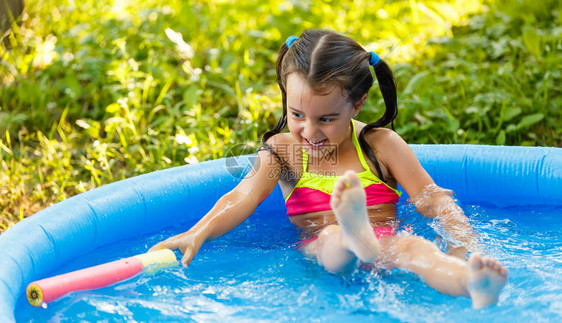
(253, 274)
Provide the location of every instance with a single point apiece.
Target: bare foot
(486, 278)
(349, 205)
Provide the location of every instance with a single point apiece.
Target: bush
(96, 91)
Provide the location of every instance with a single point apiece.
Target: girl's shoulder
(380, 138)
(283, 137)
(283, 144)
(384, 138)
(388, 147)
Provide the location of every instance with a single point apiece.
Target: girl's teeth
(316, 144)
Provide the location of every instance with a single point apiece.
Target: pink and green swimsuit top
(313, 191)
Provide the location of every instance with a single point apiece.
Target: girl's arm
(230, 210)
(429, 199)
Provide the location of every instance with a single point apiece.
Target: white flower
(184, 49)
(123, 102)
(191, 160)
(183, 139)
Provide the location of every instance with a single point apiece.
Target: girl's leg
(330, 251)
(481, 278)
(337, 246)
(340, 245)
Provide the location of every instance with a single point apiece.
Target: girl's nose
(309, 130)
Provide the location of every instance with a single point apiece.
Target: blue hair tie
(375, 59)
(290, 40)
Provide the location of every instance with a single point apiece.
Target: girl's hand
(187, 243)
(230, 210)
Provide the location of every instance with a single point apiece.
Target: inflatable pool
(505, 178)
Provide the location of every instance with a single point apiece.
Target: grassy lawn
(96, 91)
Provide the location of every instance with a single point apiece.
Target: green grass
(96, 91)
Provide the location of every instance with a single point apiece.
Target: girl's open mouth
(316, 145)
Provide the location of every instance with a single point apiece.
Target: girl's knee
(330, 251)
(413, 245)
(329, 230)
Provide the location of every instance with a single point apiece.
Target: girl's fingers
(164, 245)
(187, 257)
(155, 247)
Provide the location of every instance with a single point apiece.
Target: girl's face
(321, 122)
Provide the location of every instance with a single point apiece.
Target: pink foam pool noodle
(49, 289)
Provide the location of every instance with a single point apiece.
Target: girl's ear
(359, 105)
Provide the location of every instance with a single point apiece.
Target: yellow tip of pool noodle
(34, 295)
(155, 257)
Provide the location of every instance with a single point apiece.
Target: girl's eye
(297, 115)
(326, 119)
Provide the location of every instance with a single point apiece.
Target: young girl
(339, 176)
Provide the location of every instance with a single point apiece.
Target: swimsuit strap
(358, 148)
(304, 161)
(362, 159)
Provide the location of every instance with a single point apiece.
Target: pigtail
(283, 120)
(387, 87)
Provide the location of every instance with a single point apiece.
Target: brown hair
(324, 59)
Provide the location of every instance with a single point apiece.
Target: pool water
(254, 274)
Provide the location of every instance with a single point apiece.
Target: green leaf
(453, 125)
(529, 120)
(511, 113)
(417, 81)
(500, 139)
(511, 128)
(532, 41)
(191, 96)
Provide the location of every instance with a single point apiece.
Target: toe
(341, 184)
(352, 178)
(475, 261)
(488, 262)
(504, 271)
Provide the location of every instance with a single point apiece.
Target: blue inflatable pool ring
(500, 176)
